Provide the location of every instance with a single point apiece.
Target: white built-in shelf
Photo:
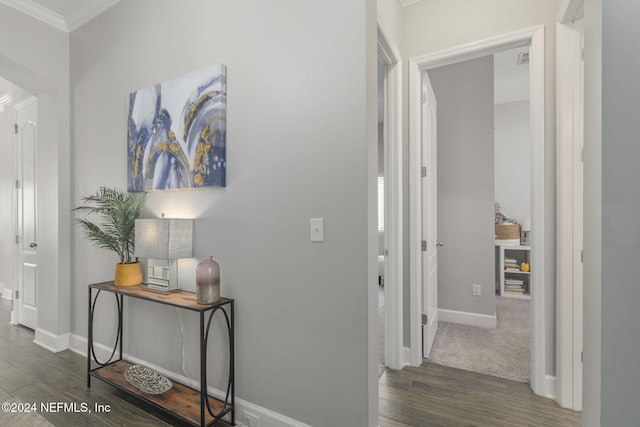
(521, 254)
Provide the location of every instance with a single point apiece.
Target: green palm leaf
(118, 211)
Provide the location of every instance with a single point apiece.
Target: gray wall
(296, 150)
(620, 206)
(513, 159)
(464, 93)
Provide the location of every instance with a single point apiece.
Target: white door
(26, 115)
(429, 218)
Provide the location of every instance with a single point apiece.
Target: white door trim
(569, 118)
(390, 56)
(534, 37)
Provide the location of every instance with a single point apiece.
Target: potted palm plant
(118, 211)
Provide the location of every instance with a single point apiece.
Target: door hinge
(385, 252)
(17, 239)
(17, 184)
(582, 256)
(15, 128)
(424, 97)
(16, 294)
(424, 319)
(423, 171)
(424, 245)
(582, 356)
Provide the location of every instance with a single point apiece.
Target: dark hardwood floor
(431, 395)
(434, 395)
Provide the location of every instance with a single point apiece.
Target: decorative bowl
(147, 380)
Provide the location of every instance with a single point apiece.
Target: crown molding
(405, 3)
(80, 14)
(39, 12)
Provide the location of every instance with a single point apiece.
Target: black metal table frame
(229, 401)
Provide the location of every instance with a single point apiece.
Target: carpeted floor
(502, 352)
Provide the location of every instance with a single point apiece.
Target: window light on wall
(380, 204)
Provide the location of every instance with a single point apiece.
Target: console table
(193, 406)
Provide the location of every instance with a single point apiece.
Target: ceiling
(66, 15)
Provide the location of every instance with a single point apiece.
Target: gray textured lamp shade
(161, 238)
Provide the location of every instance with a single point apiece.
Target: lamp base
(162, 274)
(159, 290)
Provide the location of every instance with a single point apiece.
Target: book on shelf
(512, 270)
(514, 286)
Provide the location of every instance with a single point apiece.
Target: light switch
(317, 229)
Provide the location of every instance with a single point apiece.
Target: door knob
(33, 245)
(438, 244)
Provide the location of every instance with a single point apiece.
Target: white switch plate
(477, 289)
(317, 229)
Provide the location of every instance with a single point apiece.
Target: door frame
(389, 55)
(569, 119)
(533, 37)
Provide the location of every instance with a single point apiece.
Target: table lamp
(163, 241)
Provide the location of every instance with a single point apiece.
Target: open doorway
(483, 161)
(52, 191)
(18, 138)
(534, 38)
(390, 260)
(26, 299)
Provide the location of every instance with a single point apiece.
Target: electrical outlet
(251, 420)
(477, 289)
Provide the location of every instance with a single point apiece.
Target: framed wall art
(177, 133)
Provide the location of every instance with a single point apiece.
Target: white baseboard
(550, 386)
(267, 417)
(6, 294)
(14, 318)
(50, 341)
(406, 356)
(409, 359)
(466, 318)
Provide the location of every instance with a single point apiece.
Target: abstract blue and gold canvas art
(177, 133)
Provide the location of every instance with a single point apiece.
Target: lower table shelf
(181, 401)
